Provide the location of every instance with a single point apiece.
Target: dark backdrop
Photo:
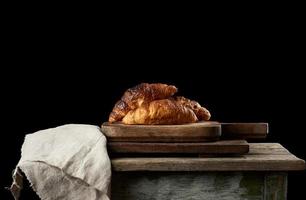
(58, 77)
(241, 95)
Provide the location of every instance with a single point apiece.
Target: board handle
(247, 131)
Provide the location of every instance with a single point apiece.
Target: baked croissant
(141, 94)
(166, 111)
(201, 112)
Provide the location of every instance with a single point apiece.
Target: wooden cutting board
(247, 131)
(194, 132)
(218, 147)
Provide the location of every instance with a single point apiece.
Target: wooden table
(260, 174)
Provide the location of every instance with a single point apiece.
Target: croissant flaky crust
(164, 111)
(141, 94)
(154, 104)
(201, 112)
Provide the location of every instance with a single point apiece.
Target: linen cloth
(66, 162)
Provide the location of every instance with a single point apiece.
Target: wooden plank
(182, 185)
(249, 162)
(262, 163)
(204, 148)
(194, 132)
(268, 151)
(275, 186)
(244, 130)
(199, 185)
(219, 147)
(266, 145)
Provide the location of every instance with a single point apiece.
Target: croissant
(201, 112)
(166, 111)
(143, 93)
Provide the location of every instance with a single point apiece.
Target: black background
(246, 71)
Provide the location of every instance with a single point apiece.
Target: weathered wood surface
(194, 132)
(199, 185)
(246, 131)
(275, 186)
(218, 147)
(202, 131)
(261, 157)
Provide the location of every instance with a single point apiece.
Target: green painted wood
(275, 186)
(199, 185)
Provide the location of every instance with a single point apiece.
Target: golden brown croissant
(143, 93)
(119, 111)
(201, 112)
(164, 111)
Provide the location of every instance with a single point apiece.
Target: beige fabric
(66, 162)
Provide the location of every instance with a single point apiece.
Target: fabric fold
(66, 162)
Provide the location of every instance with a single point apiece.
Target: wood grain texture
(267, 149)
(199, 185)
(275, 186)
(218, 147)
(244, 130)
(257, 160)
(194, 132)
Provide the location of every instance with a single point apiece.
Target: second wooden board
(194, 132)
(218, 147)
